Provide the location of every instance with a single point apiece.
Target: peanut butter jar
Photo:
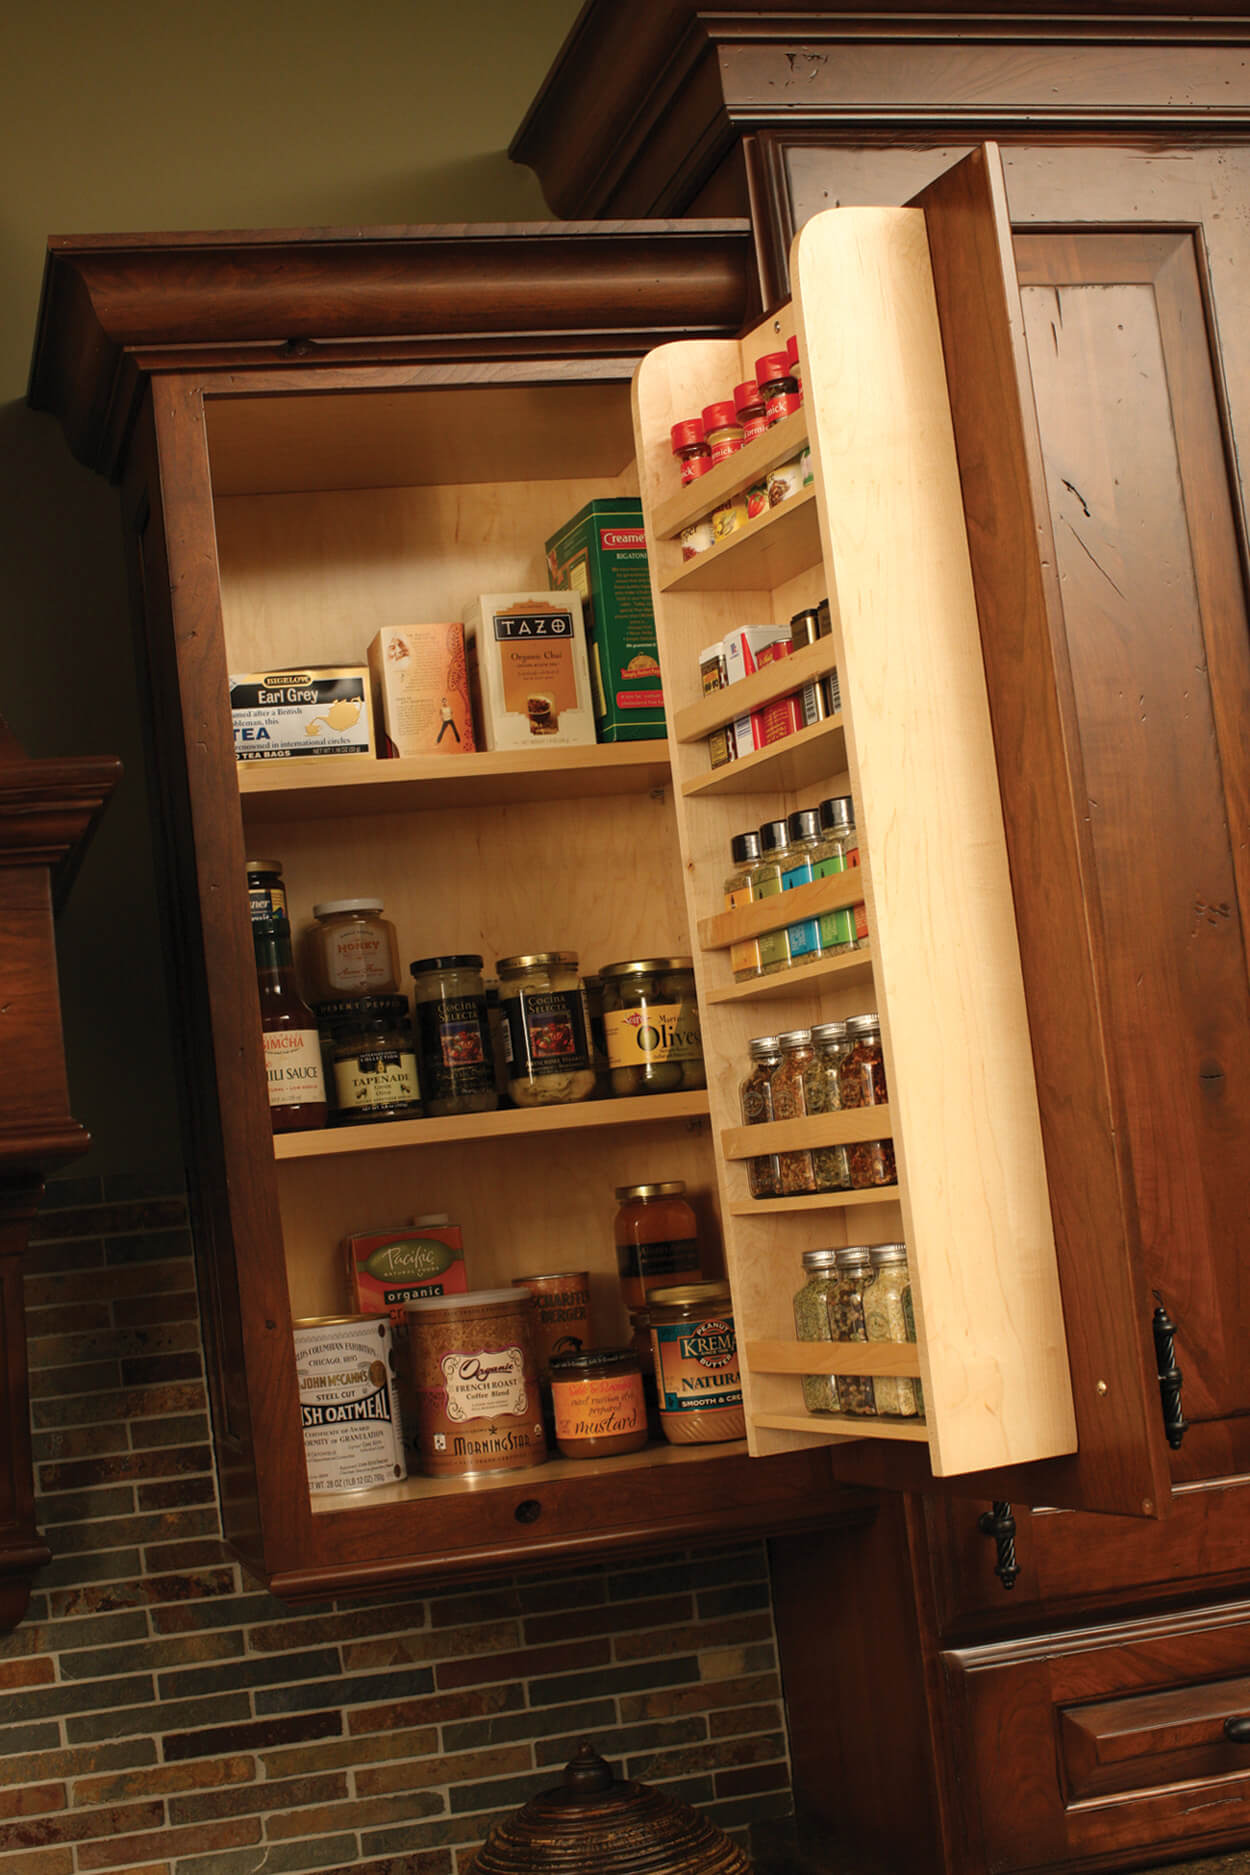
(696, 1364)
(598, 1401)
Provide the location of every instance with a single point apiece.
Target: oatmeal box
(528, 670)
(601, 554)
(421, 689)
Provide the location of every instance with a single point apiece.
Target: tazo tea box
(528, 669)
(421, 683)
(311, 713)
(386, 1268)
(601, 554)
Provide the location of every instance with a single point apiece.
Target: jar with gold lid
(696, 1364)
(596, 1396)
(548, 1029)
(657, 1239)
(651, 1026)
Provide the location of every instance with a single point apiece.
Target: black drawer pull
(1237, 1731)
(529, 1510)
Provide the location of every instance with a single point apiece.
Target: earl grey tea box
(322, 711)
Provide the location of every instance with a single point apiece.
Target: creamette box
(314, 713)
(529, 670)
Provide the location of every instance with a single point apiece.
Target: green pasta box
(601, 554)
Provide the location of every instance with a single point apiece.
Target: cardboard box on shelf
(386, 1268)
(528, 670)
(421, 690)
(601, 554)
(312, 714)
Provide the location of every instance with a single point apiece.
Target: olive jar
(651, 1025)
(547, 1023)
(453, 1035)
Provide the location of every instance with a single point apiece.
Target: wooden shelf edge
(845, 967)
(785, 439)
(832, 893)
(508, 1123)
(760, 556)
(816, 1201)
(818, 751)
(698, 720)
(843, 1128)
(835, 1426)
(894, 1360)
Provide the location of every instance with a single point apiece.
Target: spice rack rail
(815, 1201)
(698, 720)
(832, 893)
(796, 762)
(845, 969)
(844, 1128)
(508, 1123)
(749, 465)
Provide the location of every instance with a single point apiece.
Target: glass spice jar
(651, 1025)
(831, 1164)
(755, 1098)
(722, 430)
(847, 1323)
(744, 849)
(779, 392)
(841, 851)
(694, 458)
(888, 1316)
(811, 1323)
(548, 1029)
(862, 1073)
(373, 1059)
(657, 1239)
(750, 408)
(453, 1032)
(796, 1175)
(352, 950)
(769, 874)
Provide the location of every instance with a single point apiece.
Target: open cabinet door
(1060, 882)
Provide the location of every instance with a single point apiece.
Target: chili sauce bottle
(297, 1089)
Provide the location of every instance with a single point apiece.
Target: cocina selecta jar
(352, 950)
(657, 1239)
(651, 1025)
(548, 1024)
(696, 1364)
(598, 1403)
(453, 1032)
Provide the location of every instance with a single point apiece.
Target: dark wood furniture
(48, 809)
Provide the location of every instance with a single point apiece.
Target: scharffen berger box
(386, 1268)
(319, 711)
(602, 554)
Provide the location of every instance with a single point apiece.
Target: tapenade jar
(651, 1026)
(453, 1034)
(696, 1364)
(548, 1029)
(373, 1059)
(597, 1398)
(657, 1239)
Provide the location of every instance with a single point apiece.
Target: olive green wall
(151, 115)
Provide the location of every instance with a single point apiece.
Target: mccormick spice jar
(750, 407)
(348, 1402)
(722, 430)
(352, 950)
(651, 1025)
(548, 1029)
(696, 1364)
(657, 1239)
(469, 1383)
(779, 391)
(597, 1398)
(694, 458)
(453, 1035)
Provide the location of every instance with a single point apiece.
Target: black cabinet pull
(1175, 1425)
(1237, 1731)
(999, 1524)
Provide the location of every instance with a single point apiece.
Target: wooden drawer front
(1091, 1745)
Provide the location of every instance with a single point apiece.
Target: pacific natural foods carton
(386, 1268)
(312, 713)
(421, 686)
(601, 554)
(528, 670)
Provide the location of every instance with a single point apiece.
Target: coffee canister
(349, 1404)
(469, 1383)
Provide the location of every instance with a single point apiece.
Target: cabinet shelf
(769, 550)
(698, 720)
(816, 1201)
(779, 444)
(298, 790)
(810, 755)
(842, 1426)
(845, 968)
(893, 1360)
(510, 1123)
(843, 1128)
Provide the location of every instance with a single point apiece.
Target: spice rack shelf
(764, 554)
(844, 970)
(816, 1201)
(841, 1426)
(355, 785)
(844, 1128)
(749, 465)
(699, 719)
(898, 1360)
(510, 1123)
(832, 893)
(796, 762)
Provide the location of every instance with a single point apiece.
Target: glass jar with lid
(831, 1164)
(453, 1035)
(755, 1098)
(840, 852)
(696, 1364)
(847, 1323)
(796, 1175)
(373, 1059)
(861, 1081)
(598, 1403)
(351, 950)
(548, 1029)
(657, 1239)
(888, 1316)
(651, 1026)
(811, 1323)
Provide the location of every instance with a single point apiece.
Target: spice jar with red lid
(750, 408)
(778, 388)
(722, 430)
(690, 448)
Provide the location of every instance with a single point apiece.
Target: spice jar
(744, 850)
(847, 1323)
(727, 517)
(722, 430)
(788, 1092)
(811, 1323)
(697, 538)
(750, 408)
(352, 950)
(548, 1023)
(792, 359)
(779, 392)
(265, 890)
(755, 1096)
(693, 455)
(862, 1074)
(803, 936)
(888, 1316)
(373, 1059)
(840, 852)
(597, 1398)
(453, 1034)
(651, 1026)
(784, 479)
(656, 1237)
(831, 1164)
(696, 1364)
(774, 848)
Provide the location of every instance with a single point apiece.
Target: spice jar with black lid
(373, 1059)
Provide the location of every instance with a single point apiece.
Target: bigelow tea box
(320, 711)
(528, 669)
(386, 1268)
(421, 685)
(601, 554)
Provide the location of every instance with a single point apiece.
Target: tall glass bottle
(841, 851)
(803, 936)
(774, 851)
(744, 848)
(297, 1089)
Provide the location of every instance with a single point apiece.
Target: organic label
(482, 1382)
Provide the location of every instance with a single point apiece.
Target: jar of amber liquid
(596, 1395)
(657, 1239)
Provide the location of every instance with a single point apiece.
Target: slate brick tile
(119, 1467)
(586, 1719)
(576, 1591)
(436, 1709)
(27, 1672)
(181, 1305)
(749, 1564)
(143, 1592)
(148, 1529)
(108, 1285)
(453, 1611)
(734, 1813)
(615, 1741)
(93, 1662)
(177, 1558)
(382, 1780)
(129, 1403)
(730, 1663)
(506, 1792)
(206, 1602)
(610, 1680)
(608, 1618)
(178, 1429)
(521, 1665)
(292, 1761)
(740, 1719)
(746, 1596)
(30, 1767)
(78, 1442)
(104, 1219)
(342, 1692)
(64, 1383)
(122, 1852)
(744, 1782)
(227, 1709)
(178, 1493)
(147, 1370)
(54, 1701)
(423, 1862)
(194, 1682)
(116, 1500)
(52, 1258)
(50, 1340)
(287, 1793)
(207, 1743)
(93, 1341)
(159, 1780)
(79, 1189)
(79, 1826)
(716, 1755)
(75, 1571)
(32, 1799)
(395, 1650)
(358, 1813)
(40, 1862)
(735, 1630)
(278, 1858)
(339, 1624)
(50, 1637)
(445, 1830)
(149, 1245)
